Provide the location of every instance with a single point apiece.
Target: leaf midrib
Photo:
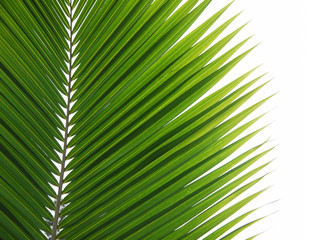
(65, 142)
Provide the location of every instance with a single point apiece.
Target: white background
(289, 34)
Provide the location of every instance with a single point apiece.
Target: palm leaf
(103, 135)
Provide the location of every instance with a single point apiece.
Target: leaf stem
(65, 144)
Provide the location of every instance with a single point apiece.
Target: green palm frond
(103, 135)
